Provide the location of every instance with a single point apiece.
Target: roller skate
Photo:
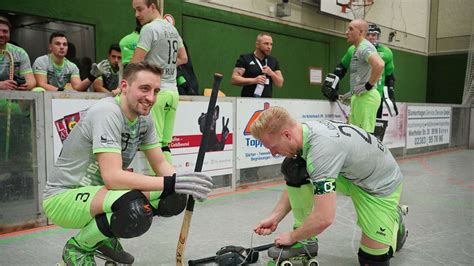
(73, 255)
(302, 253)
(402, 233)
(112, 252)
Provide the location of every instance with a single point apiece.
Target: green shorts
(72, 208)
(164, 114)
(376, 216)
(364, 110)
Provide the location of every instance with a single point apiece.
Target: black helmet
(373, 28)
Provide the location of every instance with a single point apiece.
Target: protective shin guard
(90, 236)
(301, 201)
(366, 259)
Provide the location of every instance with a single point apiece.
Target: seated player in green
(54, 72)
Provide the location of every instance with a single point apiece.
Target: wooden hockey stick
(199, 162)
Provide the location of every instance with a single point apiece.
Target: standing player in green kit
(366, 68)
(160, 44)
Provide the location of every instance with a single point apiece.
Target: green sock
(90, 235)
(301, 201)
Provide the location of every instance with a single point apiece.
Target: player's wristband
(169, 183)
(368, 86)
(91, 77)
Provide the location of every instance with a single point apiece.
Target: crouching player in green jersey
(90, 187)
(332, 156)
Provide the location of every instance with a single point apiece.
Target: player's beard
(263, 52)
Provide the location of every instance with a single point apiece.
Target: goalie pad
(389, 101)
(330, 87)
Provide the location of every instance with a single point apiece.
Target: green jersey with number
(331, 148)
(386, 55)
(161, 41)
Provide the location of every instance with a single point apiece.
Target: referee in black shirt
(258, 71)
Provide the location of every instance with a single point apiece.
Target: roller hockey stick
(199, 162)
(342, 110)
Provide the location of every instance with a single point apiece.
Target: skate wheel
(110, 263)
(286, 263)
(404, 209)
(312, 262)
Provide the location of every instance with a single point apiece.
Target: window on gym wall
(32, 34)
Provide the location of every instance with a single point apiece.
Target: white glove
(102, 68)
(195, 184)
(346, 98)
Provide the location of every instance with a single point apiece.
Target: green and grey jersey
(127, 46)
(21, 62)
(161, 41)
(387, 56)
(110, 80)
(331, 148)
(102, 128)
(360, 68)
(57, 75)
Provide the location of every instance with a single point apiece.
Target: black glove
(330, 87)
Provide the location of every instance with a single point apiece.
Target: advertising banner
(187, 135)
(250, 151)
(428, 126)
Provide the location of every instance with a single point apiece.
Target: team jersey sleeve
(146, 38)
(326, 160)
(277, 65)
(75, 70)
(105, 129)
(150, 139)
(367, 51)
(346, 59)
(325, 163)
(25, 65)
(40, 66)
(241, 62)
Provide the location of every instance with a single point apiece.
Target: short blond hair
(271, 121)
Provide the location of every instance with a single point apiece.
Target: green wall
(446, 75)
(216, 38)
(112, 19)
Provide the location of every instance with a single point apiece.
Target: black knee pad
(171, 205)
(132, 216)
(366, 259)
(294, 171)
